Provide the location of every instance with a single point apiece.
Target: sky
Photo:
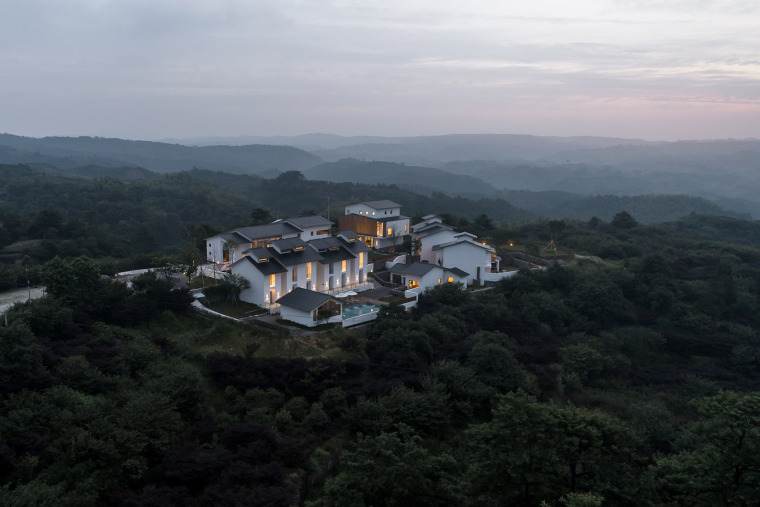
(153, 69)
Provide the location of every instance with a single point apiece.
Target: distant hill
(69, 152)
(425, 180)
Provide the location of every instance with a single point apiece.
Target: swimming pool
(360, 309)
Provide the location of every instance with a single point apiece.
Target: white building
(323, 265)
(421, 275)
(228, 247)
(379, 224)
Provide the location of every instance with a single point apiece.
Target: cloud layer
(171, 68)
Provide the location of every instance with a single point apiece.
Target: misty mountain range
(549, 176)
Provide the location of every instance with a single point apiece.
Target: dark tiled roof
(234, 237)
(304, 299)
(288, 244)
(463, 241)
(296, 257)
(349, 234)
(356, 246)
(272, 267)
(325, 243)
(382, 204)
(458, 272)
(310, 221)
(414, 269)
(258, 253)
(432, 229)
(341, 254)
(268, 230)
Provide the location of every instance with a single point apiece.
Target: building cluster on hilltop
(299, 257)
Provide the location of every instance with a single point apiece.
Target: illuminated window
(308, 270)
(271, 280)
(343, 266)
(390, 231)
(373, 213)
(361, 259)
(413, 284)
(451, 279)
(439, 281)
(406, 227)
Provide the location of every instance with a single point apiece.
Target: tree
(394, 469)
(722, 466)
(623, 220)
(261, 216)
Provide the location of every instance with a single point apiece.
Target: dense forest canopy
(629, 377)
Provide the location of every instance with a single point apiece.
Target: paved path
(8, 299)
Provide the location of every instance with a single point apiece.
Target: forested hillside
(628, 377)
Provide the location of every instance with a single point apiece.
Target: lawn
(237, 310)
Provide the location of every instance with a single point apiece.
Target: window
(343, 266)
(451, 279)
(373, 213)
(406, 227)
(308, 270)
(413, 284)
(295, 274)
(271, 280)
(332, 268)
(361, 259)
(439, 281)
(390, 231)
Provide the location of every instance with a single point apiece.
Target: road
(8, 299)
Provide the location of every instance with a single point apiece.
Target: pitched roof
(326, 243)
(337, 255)
(234, 237)
(414, 269)
(304, 299)
(267, 230)
(310, 221)
(271, 267)
(458, 272)
(432, 229)
(282, 245)
(382, 204)
(463, 242)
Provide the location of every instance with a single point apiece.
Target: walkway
(10, 298)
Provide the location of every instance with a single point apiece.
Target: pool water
(360, 309)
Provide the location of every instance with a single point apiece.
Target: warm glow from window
(451, 279)
(343, 266)
(413, 284)
(406, 227)
(308, 270)
(271, 280)
(361, 259)
(373, 213)
(390, 231)
(439, 281)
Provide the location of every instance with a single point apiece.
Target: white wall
(428, 242)
(467, 257)
(362, 209)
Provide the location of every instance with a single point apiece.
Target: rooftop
(305, 300)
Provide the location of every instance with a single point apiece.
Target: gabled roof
(414, 269)
(458, 272)
(322, 244)
(253, 232)
(271, 267)
(337, 255)
(432, 229)
(463, 242)
(283, 245)
(295, 257)
(355, 246)
(310, 221)
(378, 205)
(304, 299)
(234, 237)
(349, 235)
